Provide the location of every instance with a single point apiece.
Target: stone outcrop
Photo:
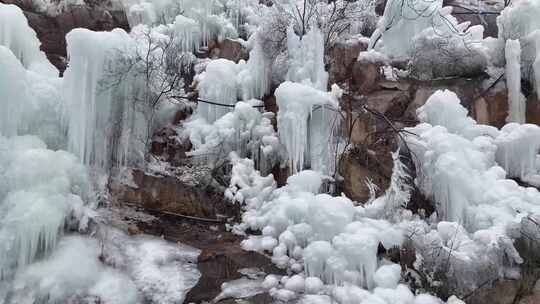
(357, 168)
(230, 49)
(366, 75)
(192, 192)
(343, 56)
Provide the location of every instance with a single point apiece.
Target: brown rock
(356, 169)
(232, 50)
(492, 109)
(366, 76)
(502, 292)
(343, 55)
(533, 110)
(171, 194)
(219, 265)
(534, 297)
(170, 147)
(134, 230)
(467, 89)
(380, 7)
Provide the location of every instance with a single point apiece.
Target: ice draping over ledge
(16, 35)
(104, 126)
(306, 125)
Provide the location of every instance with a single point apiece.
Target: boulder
(533, 109)
(357, 167)
(533, 297)
(170, 147)
(343, 55)
(467, 89)
(192, 193)
(232, 50)
(492, 109)
(366, 76)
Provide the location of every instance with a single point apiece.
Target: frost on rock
(103, 124)
(307, 118)
(427, 33)
(403, 20)
(16, 34)
(162, 272)
(517, 106)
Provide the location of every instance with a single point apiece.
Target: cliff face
(52, 28)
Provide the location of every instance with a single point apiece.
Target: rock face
(533, 109)
(51, 30)
(356, 169)
(343, 57)
(366, 76)
(492, 109)
(191, 194)
(229, 49)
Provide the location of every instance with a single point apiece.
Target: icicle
(296, 103)
(306, 58)
(518, 148)
(188, 33)
(516, 107)
(103, 126)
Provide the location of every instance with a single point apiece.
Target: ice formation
(217, 84)
(188, 33)
(254, 78)
(16, 34)
(307, 118)
(206, 19)
(104, 126)
(306, 58)
(519, 21)
(517, 106)
(245, 130)
(405, 25)
(53, 280)
(13, 88)
(40, 193)
(32, 102)
(162, 272)
(518, 152)
(328, 244)
(458, 164)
